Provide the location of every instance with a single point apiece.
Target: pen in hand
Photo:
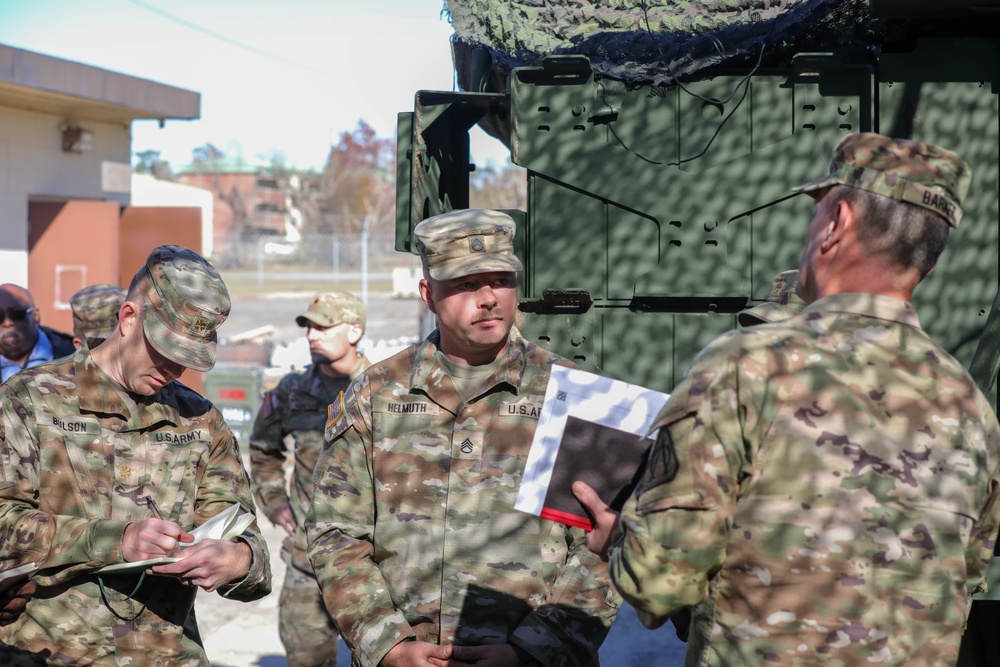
(153, 507)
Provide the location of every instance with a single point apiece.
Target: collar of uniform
(871, 305)
(100, 394)
(317, 381)
(424, 364)
(362, 366)
(312, 381)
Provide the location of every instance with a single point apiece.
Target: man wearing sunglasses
(24, 343)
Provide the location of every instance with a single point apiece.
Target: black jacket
(62, 343)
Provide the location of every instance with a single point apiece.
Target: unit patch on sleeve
(338, 418)
(335, 410)
(270, 403)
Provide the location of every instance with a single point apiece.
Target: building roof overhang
(70, 89)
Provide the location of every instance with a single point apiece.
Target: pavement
(245, 634)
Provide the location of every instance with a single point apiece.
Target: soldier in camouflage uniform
(781, 303)
(105, 460)
(824, 488)
(95, 311)
(335, 323)
(412, 529)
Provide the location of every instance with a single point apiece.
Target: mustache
(494, 313)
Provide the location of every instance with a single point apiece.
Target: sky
(282, 77)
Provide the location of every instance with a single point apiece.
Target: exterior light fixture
(75, 139)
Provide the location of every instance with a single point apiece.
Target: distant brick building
(248, 200)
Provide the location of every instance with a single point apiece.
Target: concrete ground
(238, 634)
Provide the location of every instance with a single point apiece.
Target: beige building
(65, 176)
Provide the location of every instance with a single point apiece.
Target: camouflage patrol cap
(95, 310)
(186, 301)
(329, 308)
(908, 171)
(783, 302)
(466, 242)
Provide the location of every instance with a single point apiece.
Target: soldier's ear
(129, 315)
(426, 295)
(842, 222)
(354, 334)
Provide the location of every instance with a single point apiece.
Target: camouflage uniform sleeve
(268, 450)
(64, 545)
(224, 482)
(340, 527)
(577, 615)
(983, 541)
(673, 530)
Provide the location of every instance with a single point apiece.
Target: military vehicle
(660, 142)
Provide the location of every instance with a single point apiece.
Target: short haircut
(138, 286)
(908, 236)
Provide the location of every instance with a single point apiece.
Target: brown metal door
(71, 244)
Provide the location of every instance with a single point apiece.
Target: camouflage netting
(639, 43)
(649, 42)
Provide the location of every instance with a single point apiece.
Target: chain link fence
(271, 280)
(350, 261)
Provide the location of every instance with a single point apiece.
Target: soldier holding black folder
(413, 533)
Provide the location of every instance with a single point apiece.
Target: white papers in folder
(225, 525)
(602, 424)
(16, 573)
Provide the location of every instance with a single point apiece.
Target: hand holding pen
(154, 537)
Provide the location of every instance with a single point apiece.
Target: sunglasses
(14, 314)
